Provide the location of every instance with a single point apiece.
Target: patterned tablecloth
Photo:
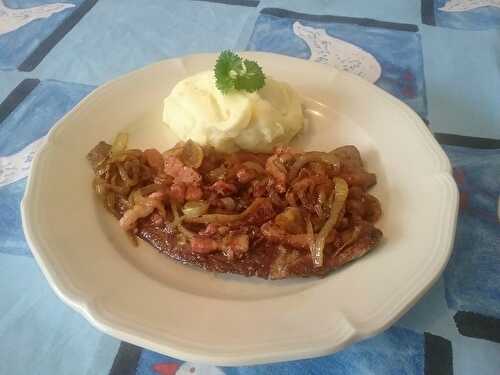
(441, 57)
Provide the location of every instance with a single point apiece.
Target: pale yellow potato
(197, 110)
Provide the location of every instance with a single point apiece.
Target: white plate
(145, 298)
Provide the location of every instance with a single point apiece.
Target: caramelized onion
(308, 157)
(339, 198)
(152, 188)
(310, 232)
(125, 177)
(217, 174)
(255, 166)
(291, 220)
(230, 218)
(195, 208)
(141, 208)
(119, 144)
(354, 237)
(192, 154)
(177, 223)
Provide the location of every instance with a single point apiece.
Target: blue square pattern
(397, 351)
(20, 134)
(463, 14)
(472, 278)
(24, 24)
(388, 54)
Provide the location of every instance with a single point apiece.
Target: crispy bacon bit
(210, 230)
(177, 192)
(223, 188)
(286, 153)
(175, 168)
(222, 230)
(193, 193)
(259, 188)
(163, 179)
(203, 245)
(242, 156)
(245, 175)
(157, 219)
(235, 245)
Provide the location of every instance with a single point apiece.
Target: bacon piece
(224, 188)
(175, 168)
(210, 230)
(245, 175)
(275, 234)
(235, 245)
(203, 245)
(193, 193)
(177, 192)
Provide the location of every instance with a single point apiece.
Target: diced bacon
(157, 219)
(203, 245)
(193, 193)
(235, 245)
(245, 175)
(210, 230)
(224, 188)
(177, 192)
(175, 168)
(260, 187)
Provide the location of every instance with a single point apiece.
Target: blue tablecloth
(442, 57)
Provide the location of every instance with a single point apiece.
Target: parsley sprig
(234, 73)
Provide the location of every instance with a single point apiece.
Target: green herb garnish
(234, 73)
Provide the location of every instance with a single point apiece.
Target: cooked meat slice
(263, 259)
(349, 155)
(259, 218)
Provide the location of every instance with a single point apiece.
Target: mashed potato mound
(197, 110)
